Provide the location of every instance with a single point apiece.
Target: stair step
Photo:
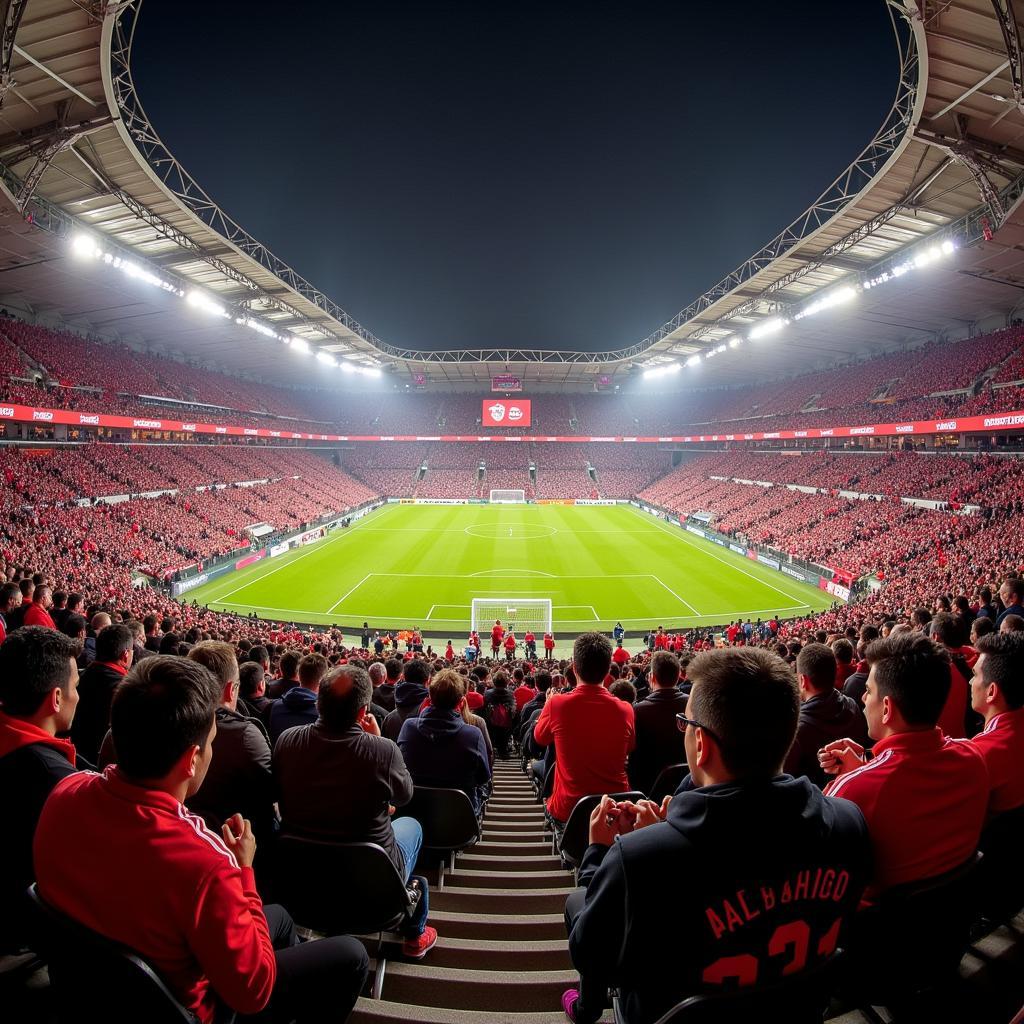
(509, 849)
(542, 861)
(500, 954)
(462, 925)
(502, 901)
(527, 815)
(382, 1011)
(552, 878)
(426, 985)
(528, 826)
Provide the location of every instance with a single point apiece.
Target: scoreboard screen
(506, 382)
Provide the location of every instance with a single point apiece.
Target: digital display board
(508, 412)
(506, 382)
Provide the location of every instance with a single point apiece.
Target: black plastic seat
(575, 837)
(448, 820)
(798, 999)
(668, 781)
(1000, 880)
(339, 888)
(94, 978)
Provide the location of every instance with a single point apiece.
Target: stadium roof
(77, 152)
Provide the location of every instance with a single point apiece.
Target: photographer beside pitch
(749, 876)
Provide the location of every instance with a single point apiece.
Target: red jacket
(593, 735)
(924, 797)
(953, 719)
(523, 695)
(37, 615)
(1002, 746)
(620, 655)
(136, 866)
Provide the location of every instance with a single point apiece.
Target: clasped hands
(611, 818)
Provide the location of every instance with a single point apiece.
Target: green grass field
(421, 565)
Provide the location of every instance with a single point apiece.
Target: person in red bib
(530, 643)
(497, 633)
(449, 653)
(620, 655)
(151, 876)
(924, 795)
(510, 645)
(549, 646)
(997, 694)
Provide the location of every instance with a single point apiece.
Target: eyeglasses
(682, 722)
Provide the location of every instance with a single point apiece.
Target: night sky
(553, 175)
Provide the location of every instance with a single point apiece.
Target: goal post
(508, 496)
(520, 614)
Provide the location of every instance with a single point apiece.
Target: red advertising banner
(513, 413)
(506, 412)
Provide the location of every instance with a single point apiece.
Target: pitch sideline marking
(313, 549)
(521, 572)
(681, 535)
(347, 592)
(675, 595)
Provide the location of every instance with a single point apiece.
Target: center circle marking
(495, 531)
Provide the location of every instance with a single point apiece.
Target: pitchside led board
(506, 412)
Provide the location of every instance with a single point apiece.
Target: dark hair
(749, 699)
(312, 670)
(983, 626)
(914, 673)
(112, 642)
(289, 663)
(169, 643)
(624, 690)
(148, 623)
(591, 656)
(1014, 583)
(7, 592)
(665, 668)
(500, 680)
(1003, 665)
(416, 671)
(818, 663)
(393, 667)
(843, 650)
(162, 708)
(34, 661)
(920, 617)
(258, 653)
(1012, 624)
(250, 675)
(73, 625)
(339, 710)
(543, 680)
(948, 630)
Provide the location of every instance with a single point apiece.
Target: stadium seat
(668, 781)
(924, 927)
(309, 884)
(94, 978)
(448, 821)
(1001, 884)
(798, 999)
(575, 837)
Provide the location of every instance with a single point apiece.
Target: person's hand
(369, 724)
(649, 813)
(604, 822)
(238, 838)
(391, 809)
(840, 756)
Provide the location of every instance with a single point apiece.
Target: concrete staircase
(501, 955)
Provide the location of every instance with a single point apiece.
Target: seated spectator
(114, 650)
(383, 688)
(180, 895)
(239, 779)
(845, 665)
(624, 690)
(138, 641)
(659, 742)
(826, 714)
(923, 794)
(39, 693)
(957, 719)
(997, 694)
(1011, 593)
(10, 598)
(410, 693)
(658, 944)
(314, 767)
(38, 612)
(592, 732)
(298, 705)
(252, 693)
(289, 671)
(499, 713)
(440, 748)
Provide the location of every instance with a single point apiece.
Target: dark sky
(540, 174)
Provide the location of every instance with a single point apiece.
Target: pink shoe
(419, 947)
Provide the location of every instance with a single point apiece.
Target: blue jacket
(752, 876)
(296, 707)
(440, 749)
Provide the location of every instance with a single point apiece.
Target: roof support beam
(12, 12)
(1011, 38)
(53, 74)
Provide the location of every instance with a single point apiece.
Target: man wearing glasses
(744, 876)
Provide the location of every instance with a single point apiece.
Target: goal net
(508, 497)
(520, 614)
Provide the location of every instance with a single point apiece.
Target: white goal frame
(508, 496)
(520, 614)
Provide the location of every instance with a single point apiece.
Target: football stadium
(454, 679)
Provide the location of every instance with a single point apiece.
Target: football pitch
(421, 565)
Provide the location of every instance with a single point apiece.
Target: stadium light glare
(85, 247)
(735, 341)
(300, 345)
(372, 371)
(326, 358)
(346, 366)
(768, 328)
(693, 360)
(661, 371)
(836, 298)
(200, 300)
